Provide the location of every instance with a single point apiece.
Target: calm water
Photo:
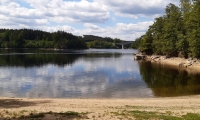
(89, 74)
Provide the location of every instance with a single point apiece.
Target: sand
(102, 108)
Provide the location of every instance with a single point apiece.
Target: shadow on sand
(17, 103)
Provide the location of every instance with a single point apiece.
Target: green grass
(141, 115)
(69, 114)
(144, 115)
(121, 114)
(191, 116)
(39, 115)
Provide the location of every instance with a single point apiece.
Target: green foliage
(145, 44)
(26, 38)
(177, 31)
(91, 38)
(136, 43)
(143, 115)
(101, 44)
(57, 116)
(193, 30)
(191, 116)
(116, 40)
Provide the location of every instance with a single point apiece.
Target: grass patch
(144, 115)
(64, 115)
(39, 115)
(141, 115)
(191, 116)
(119, 113)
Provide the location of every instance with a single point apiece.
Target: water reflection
(30, 58)
(71, 74)
(89, 74)
(166, 81)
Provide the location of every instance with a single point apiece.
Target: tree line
(101, 42)
(176, 33)
(28, 38)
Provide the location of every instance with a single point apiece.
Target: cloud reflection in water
(87, 77)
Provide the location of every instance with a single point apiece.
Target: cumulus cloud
(123, 31)
(128, 32)
(91, 26)
(82, 11)
(53, 15)
(55, 10)
(133, 8)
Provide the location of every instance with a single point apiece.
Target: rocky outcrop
(180, 62)
(156, 58)
(139, 56)
(188, 63)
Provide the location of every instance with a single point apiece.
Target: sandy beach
(98, 108)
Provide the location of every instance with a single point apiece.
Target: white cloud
(134, 8)
(124, 31)
(82, 11)
(53, 15)
(91, 26)
(126, 15)
(56, 11)
(58, 27)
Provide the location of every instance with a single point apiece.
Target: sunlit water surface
(89, 73)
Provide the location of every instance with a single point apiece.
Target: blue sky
(124, 19)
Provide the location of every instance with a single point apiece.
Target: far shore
(100, 108)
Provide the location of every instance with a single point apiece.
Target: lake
(93, 73)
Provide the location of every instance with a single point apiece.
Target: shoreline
(191, 66)
(102, 108)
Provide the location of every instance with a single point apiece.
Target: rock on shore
(175, 61)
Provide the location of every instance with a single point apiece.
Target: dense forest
(176, 33)
(27, 38)
(100, 42)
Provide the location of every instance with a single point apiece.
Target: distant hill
(28, 38)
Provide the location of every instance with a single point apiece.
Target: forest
(27, 38)
(176, 33)
(102, 43)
